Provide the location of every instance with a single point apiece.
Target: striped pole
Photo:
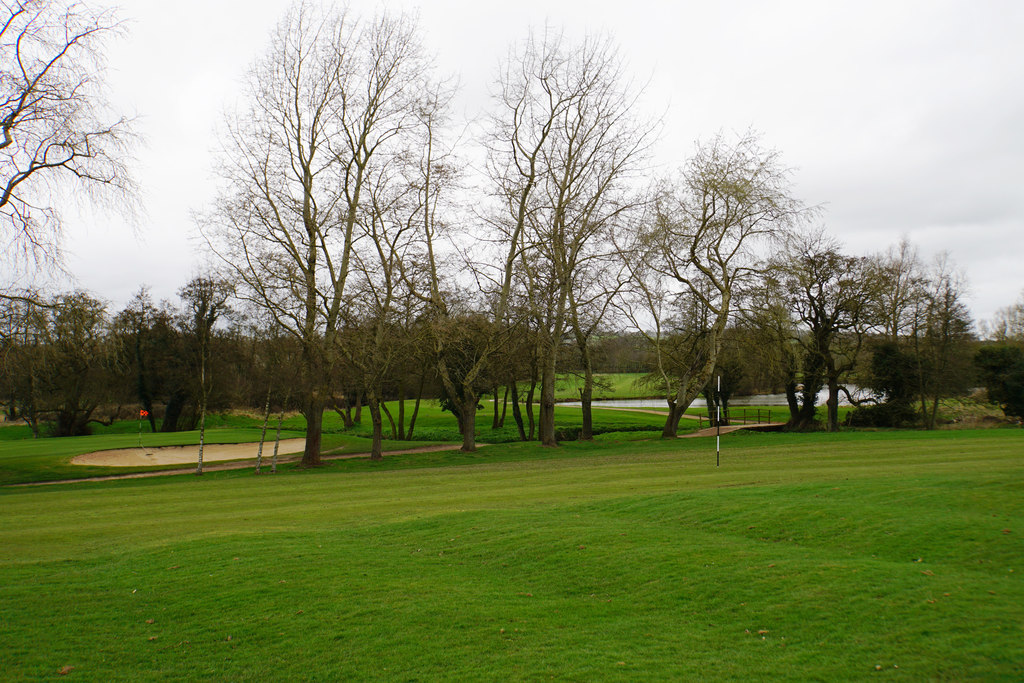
(718, 423)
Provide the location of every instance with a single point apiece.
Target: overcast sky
(901, 118)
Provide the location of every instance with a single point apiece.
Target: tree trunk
(933, 415)
(546, 429)
(263, 434)
(33, 422)
(277, 437)
(148, 405)
(468, 422)
(504, 408)
(313, 411)
(529, 408)
(344, 412)
(387, 413)
(376, 450)
(358, 419)
(203, 395)
(517, 414)
(807, 413)
(832, 405)
(172, 412)
(416, 407)
(586, 396)
(675, 413)
(494, 420)
(792, 402)
(202, 436)
(709, 399)
(401, 413)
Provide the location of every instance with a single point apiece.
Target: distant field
(606, 386)
(803, 557)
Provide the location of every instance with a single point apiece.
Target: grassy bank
(830, 557)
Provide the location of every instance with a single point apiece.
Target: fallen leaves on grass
(65, 670)
(150, 621)
(177, 566)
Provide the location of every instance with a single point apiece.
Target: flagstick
(140, 430)
(718, 423)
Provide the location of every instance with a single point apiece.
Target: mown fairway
(803, 557)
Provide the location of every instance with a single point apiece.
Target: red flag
(143, 413)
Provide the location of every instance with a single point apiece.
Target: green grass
(606, 386)
(23, 459)
(803, 557)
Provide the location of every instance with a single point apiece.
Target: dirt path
(239, 464)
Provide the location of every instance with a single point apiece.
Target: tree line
(888, 324)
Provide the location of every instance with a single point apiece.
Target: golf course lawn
(889, 555)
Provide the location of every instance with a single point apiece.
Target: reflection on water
(737, 401)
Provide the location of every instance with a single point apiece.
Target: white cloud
(903, 117)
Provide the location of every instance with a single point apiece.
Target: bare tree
(702, 238)
(831, 295)
(376, 340)
(462, 338)
(330, 98)
(591, 299)
(900, 290)
(206, 302)
(940, 339)
(564, 148)
(675, 327)
(59, 135)
(1008, 323)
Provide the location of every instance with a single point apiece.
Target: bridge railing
(739, 416)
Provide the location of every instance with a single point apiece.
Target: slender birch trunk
(263, 434)
(277, 437)
(202, 406)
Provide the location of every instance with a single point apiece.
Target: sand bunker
(177, 455)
